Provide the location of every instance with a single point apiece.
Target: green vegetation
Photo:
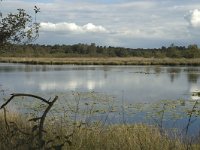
(196, 94)
(17, 28)
(84, 50)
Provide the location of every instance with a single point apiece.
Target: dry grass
(123, 137)
(102, 61)
(11, 137)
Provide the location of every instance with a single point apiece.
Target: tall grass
(69, 132)
(102, 61)
(137, 137)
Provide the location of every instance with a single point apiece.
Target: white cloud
(72, 27)
(136, 5)
(92, 28)
(194, 18)
(136, 23)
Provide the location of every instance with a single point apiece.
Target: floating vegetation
(196, 93)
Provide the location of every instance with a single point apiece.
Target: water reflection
(89, 85)
(173, 73)
(158, 70)
(193, 77)
(7, 67)
(139, 83)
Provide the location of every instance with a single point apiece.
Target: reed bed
(65, 131)
(81, 136)
(102, 61)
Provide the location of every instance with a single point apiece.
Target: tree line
(18, 30)
(91, 50)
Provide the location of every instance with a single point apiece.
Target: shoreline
(102, 61)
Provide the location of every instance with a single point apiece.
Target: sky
(120, 23)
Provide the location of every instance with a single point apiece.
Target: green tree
(173, 52)
(92, 49)
(18, 28)
(193, 51)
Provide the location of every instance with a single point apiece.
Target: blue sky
(127, 23)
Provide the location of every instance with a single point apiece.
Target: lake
(120, 86)
(131, 83)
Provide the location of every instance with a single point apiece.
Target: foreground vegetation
(65, 131)
(102, 61)
(21, 135)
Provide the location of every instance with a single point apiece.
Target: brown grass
(102, 61)
(137, 137)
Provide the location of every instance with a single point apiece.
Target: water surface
(111, 94)
(130, 83)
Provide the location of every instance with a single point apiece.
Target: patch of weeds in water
(196, 94)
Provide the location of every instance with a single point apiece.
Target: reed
(21, 131)
(102, 61)
(57, 134)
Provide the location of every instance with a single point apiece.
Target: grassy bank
(72, 126)
(102, 61)
(20, 135)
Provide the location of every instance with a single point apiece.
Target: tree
(18, 28)
(193, 51)
(173, 52)
(92, 49)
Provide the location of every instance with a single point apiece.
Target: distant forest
(91, 50)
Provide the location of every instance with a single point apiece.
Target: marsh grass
(102, 61)
(137, 137)
(64, 134)
(13, 136)
(67, 131)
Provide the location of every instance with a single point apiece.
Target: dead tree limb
(41, 124)
(23, 94)
(42, 118)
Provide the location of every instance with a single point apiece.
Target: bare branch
(23, 94)
(44, 116)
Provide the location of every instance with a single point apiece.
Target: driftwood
(41, 119)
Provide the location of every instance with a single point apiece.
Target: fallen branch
(27, 95)
(41, 124)
(42, 118)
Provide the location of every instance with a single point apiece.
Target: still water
(130, 88)
(130, 83)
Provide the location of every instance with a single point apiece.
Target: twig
(190, 117)
(5, 119)
(19, 128)
(162, 116)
